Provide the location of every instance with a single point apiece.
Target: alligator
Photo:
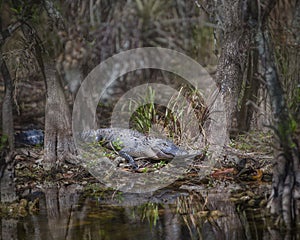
(29, 137)
(129, 144)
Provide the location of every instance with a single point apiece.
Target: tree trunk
(59, 144)
(235, 44)
(286, 175)
(250, 93)
(7, 108)
(7, 185)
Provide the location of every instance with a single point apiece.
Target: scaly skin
(133, 144)
(30, 137)
(129, 143)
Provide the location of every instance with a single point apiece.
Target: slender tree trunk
(7, 185)
(7, 108)
(250, 91)
(286, 175)
(236, 39)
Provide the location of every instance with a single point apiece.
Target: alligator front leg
(129, 159)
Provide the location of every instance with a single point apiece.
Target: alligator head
(165, 149)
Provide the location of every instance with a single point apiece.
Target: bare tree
(243, 25)
(7, 185)
(286, 179)
(285, 194)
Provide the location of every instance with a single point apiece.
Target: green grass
(174, 119)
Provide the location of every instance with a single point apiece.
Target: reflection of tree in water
(110, 216)
(57, 216)
(165, 214)
(210, 217)
(8, 229)
(61, 203)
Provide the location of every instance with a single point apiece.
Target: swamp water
(185, 213)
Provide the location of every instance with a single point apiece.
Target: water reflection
(166, 214)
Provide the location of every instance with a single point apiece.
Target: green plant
(145, 112)
(160, 164)
(149, 211)
(117, 144)
(3, 142)
(185, 111)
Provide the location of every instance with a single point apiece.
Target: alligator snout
(167, 149)
(175, 151)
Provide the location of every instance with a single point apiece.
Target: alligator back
(30, 137)
(120, 137)
(129, 141)
(133, 143)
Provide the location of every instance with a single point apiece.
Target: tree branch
(9, 31)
